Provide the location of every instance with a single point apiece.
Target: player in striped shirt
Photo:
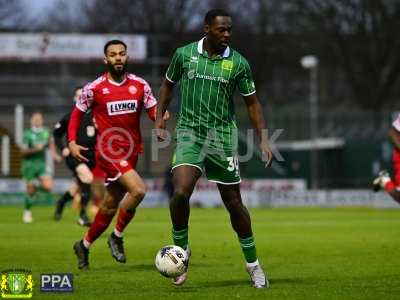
(209, 71)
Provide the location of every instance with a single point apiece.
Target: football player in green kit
(209, 72)
(35, 142)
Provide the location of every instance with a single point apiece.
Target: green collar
(37, 129)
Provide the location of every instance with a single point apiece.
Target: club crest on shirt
(121, 107)
(89, 93)
(132, 89)
(227, 65)
(90, 131)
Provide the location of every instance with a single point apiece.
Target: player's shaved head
(218, 29)
(213, 13)
(114, 42)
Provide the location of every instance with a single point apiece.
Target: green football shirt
(207, 86)
(32, 137)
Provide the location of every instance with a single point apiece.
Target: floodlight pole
(311, 63)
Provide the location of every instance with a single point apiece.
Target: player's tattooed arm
(254, 110)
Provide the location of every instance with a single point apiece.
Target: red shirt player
(116, 99)
(383, 181)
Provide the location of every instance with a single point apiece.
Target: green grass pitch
(351, 253)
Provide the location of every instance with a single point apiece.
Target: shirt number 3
(233, 163)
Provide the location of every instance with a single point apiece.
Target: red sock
(124, 217)
(390, 186)
(99, 225)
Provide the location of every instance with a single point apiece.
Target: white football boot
(257, 275)
(27, 216)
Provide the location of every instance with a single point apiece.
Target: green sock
(48, 196)
(44, 195)
(249, 248)
(27, 202)
(180, 237)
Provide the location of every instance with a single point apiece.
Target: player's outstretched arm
(73, 126)
(164, 100)
(254, 111)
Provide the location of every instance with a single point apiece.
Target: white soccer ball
(171, 261)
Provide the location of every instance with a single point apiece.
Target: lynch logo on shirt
(121, 107)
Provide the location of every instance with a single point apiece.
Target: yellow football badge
(227, 65)
(16, 284)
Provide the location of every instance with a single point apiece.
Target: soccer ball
(171, 261)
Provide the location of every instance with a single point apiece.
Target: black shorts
(72, 163)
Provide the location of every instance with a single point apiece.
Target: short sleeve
(175, 68)
(85, 101)
(148, 98)
(396, 123)
(245, 81)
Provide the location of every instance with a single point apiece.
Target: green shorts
(220, 164)
(33, 169)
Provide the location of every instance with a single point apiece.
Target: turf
(308, 254)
